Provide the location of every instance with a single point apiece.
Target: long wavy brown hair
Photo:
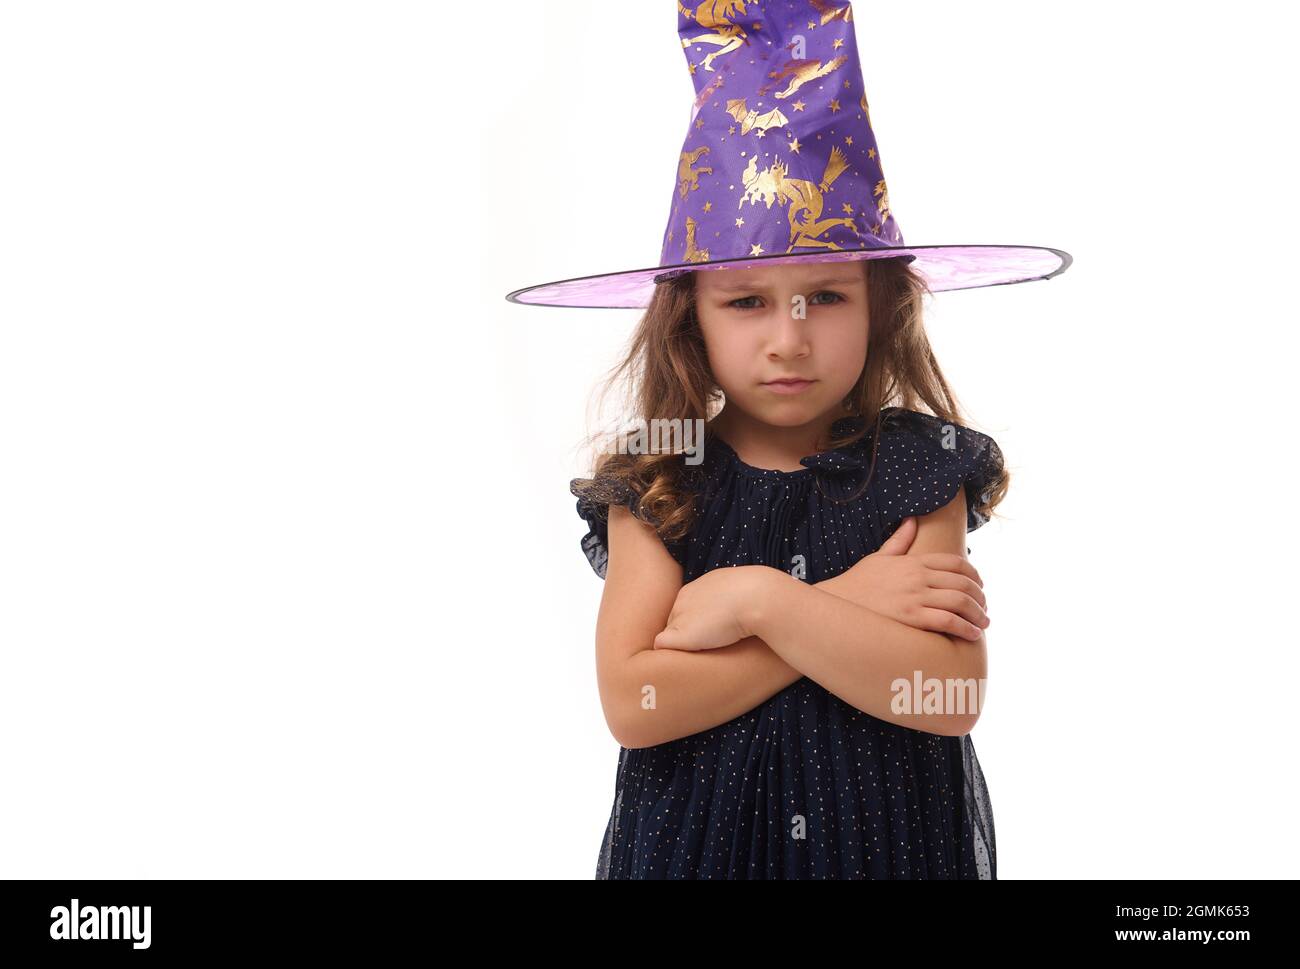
(666, 375)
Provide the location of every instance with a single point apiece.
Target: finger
(947, 622)
(959, 603)
(899, 542)
(960, 583)
(951, 562)
(930, 620)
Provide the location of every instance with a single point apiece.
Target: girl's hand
(940, 592)
(709, 611)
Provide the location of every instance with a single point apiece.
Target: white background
(290, 583)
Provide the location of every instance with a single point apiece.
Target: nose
(788, 338)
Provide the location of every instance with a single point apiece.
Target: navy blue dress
(877, 800)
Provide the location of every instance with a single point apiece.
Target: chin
(791, 415)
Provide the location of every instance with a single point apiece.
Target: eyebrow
(824, 281)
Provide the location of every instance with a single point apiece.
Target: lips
(788, 385)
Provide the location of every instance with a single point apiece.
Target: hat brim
(943, 267)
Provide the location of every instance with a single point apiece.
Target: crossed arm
(651, 696)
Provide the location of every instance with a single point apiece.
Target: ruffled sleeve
(924, 459)
(593, 508)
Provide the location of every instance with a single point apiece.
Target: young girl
(746, 650)
(790, 645)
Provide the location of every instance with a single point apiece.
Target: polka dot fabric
(805, 786)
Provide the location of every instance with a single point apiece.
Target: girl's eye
(838, 297)
(735, 303)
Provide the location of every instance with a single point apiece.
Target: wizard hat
(780, 163)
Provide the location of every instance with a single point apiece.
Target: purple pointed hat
(780, 163)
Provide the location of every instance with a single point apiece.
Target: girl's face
(755, 332)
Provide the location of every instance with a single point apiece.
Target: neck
(772, 445)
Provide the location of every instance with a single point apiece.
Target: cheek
(727, 361)
(847, 341)
(845, 351)
(727, 350)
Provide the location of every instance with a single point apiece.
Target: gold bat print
(750, 119)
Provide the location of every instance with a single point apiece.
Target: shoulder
(925, 460)
(951, 436)
(602, 493)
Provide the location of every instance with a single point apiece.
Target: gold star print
(848, 139)
(839, 42)
(708, 206)
(846, 83)
(731, 130)
(761, 133)
(871, 153)
(876, 228)
(794, 145)
(835, 105)
(739, 223)
(756, 250)
(812, 25)
(848, 209)
(799, 105)
(691, 67)
(699, 123)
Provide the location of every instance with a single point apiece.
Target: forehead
(793, 276)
